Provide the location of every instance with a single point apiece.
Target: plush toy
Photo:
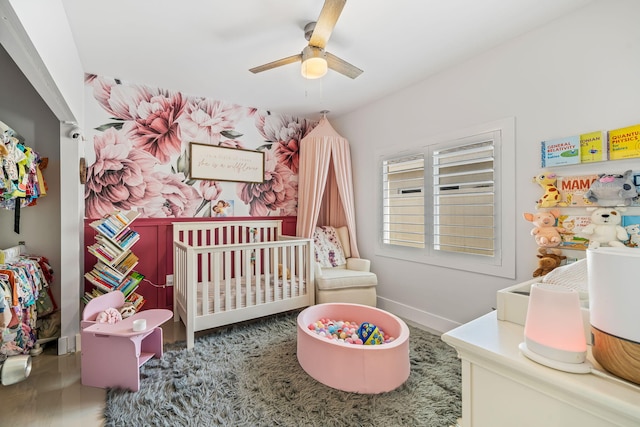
(287, 271)
(605, 228)
(110, 315)
(551, 196)
(127, 310)
(546, 234)
(633, 230)
(370, 334)
(549, 259)
(612, 190)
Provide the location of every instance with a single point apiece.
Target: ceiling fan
(315, 59)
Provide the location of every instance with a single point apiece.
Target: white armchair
(351, 282)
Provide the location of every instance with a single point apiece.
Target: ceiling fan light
(314, 63)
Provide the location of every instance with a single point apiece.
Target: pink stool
(369, 369)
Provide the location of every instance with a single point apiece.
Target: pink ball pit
(367, 369)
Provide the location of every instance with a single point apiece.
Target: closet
(27, 309)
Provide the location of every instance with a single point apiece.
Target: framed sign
(218, 163)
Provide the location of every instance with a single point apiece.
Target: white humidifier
(614, 309)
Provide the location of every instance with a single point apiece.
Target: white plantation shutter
(450, 202)
(403, 201)
(464, 198)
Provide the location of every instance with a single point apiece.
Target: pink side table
(113, 353)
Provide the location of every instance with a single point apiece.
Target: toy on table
(110, 315)
(546, 234)
(551, 196)
(612, 190)
(548, 260)
(605, 228)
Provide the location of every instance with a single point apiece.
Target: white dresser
(501, 387)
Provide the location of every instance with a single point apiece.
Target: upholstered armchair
(338, 276)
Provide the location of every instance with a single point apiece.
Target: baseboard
(422, 318)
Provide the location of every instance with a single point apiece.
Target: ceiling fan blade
(279, 63)
(342, 66)
(326, 21)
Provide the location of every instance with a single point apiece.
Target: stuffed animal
(127, 310)
(548, 260)
(551, 196)
(612, 190)
(633, 230)
(605, 228)
(546, 234)
(287, 272)
(110, 315)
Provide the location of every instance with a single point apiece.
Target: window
(450, 202)
(463, 197)
(403, 201)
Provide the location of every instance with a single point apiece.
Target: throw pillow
(329, 251)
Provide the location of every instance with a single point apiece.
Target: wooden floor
(53, 395)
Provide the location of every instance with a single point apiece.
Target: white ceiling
(206, 47)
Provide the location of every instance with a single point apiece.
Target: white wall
(575, 75)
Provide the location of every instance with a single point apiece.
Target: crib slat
(227, 281)
(206, 276)
(276, 279)
(237, 265)
(267, 274)
(257, 265)
(216, 282)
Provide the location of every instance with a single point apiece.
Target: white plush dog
(605, 228)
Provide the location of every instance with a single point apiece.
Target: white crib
(230, 271)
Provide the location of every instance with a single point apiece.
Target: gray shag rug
(248, 375)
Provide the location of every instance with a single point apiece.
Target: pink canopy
(325, 188)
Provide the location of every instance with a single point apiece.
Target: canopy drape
(325, 187)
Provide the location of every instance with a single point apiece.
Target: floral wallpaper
(140, 159)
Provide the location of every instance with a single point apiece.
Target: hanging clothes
(24, 282)
(21, 179)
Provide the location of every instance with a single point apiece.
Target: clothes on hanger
(21, 179)
(23, 282)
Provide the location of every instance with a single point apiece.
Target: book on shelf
(127, 263)
(114, 265)
(571, 226)
(593, 147)
(573, 188)
(109, 244)
(137, 300)
(624, 143)
(131, 283)
(561, 151)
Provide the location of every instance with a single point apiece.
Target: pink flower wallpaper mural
(141, 138)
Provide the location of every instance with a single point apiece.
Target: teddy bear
(546, 234)
(612, 190)
(549, 259)
(605, 228)
(633, 230)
